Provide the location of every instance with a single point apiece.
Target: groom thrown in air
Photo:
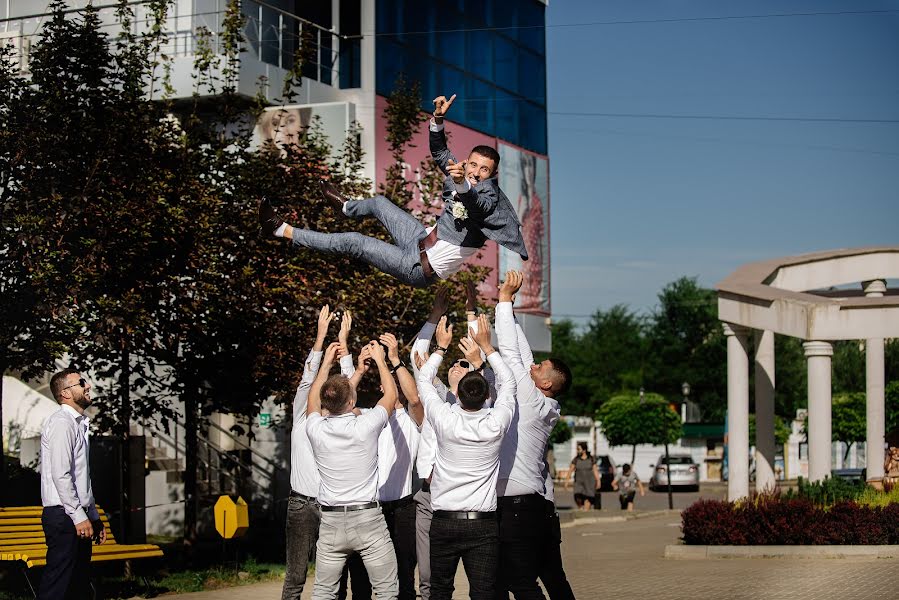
(475, 210)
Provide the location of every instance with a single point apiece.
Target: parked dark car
(606, 472)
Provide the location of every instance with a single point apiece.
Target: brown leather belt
(423, 246)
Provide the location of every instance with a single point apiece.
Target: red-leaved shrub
(773, 520)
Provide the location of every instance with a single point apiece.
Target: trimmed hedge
(771, 520)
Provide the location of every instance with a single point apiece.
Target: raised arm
(404, 376)
(362, 366)
(312, 364)
(422, 342)
(437, 138)
(427, 391)
(388, 385)
(343, 336)
(315, 401)
(506, 332)
(504, 407)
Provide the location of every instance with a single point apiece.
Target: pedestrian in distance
(586, 477)
(626, 484)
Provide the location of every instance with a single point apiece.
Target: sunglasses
(82, 382)
(464, 364)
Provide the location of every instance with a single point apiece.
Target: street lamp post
(685, 390)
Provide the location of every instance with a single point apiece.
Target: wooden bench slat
(22, 539)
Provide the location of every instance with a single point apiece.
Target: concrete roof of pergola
(774, 295)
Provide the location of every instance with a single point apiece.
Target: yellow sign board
(232, 517)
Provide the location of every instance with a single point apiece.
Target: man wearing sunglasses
(70, 519)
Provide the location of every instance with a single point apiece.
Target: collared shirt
(346, 453)
(397, 447)
(304, 478)
(524, 447)
(468, 443)
(65, 464)
(427, 449)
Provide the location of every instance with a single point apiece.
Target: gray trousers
(423, 515)
(400, 259)
(303, 518)
(362, 531)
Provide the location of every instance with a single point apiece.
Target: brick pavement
(609, 559)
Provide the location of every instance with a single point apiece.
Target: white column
(764, 411)
(818, 355)
(737, 411)
(874, 402)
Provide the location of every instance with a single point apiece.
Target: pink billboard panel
(524, 177)
(460, 139)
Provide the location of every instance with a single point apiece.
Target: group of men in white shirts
(473, 452)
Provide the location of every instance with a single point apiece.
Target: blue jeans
(400, 259)
(303, 519)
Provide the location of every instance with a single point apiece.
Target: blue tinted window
(500, 75)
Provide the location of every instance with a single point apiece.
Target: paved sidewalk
(625, 559)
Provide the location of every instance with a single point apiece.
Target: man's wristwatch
(441, 348)
(394, 368)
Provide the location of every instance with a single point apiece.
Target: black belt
(395, 504)
(528, 502)
(464, 515)
(294, 494)
(425, 486)
(349, 507)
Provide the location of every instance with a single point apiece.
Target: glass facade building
(492, 53)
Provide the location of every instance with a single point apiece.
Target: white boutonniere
(459, 211)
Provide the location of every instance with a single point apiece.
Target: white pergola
(794, 296)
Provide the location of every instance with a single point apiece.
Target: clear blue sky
(639, 202)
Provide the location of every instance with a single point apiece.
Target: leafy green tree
(686, 343)
(848, 419)
(781, 430)
(605, 359)
(628, 420)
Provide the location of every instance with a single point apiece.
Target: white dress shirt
(468, 443)
(397, 448)
(304, 478)
(445, 258)
(65, 464)
(524, 447)
(549, 492)
(346, 453)
(427, 449)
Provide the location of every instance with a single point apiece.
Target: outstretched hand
(393, 347)
(471, 296)
(481, 337)
(346, 323)
(456, 171)
(441, 304)
(444, 334)
(420, 359)
(441, 106)
(330, 355)
(510, 286)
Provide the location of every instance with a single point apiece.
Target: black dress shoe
(331, 194)
(269, 221)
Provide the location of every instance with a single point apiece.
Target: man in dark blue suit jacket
(475, 210)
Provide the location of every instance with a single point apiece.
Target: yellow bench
(22, 540)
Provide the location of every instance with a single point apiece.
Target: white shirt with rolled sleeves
(427, 450)
(468, 443)
(65, 464)
(346, 453)
(304, 478)
(524, 447)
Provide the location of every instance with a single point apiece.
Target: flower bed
(775, 520)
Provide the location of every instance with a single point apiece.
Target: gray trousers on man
(362, 531)
(400, 259)
(423, 516)
(303, 518)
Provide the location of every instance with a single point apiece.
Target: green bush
(827, 492)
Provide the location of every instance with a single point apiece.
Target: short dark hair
(334, 393)
(561, 376)
(58, 382)
(473, 391)
(487, 152)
